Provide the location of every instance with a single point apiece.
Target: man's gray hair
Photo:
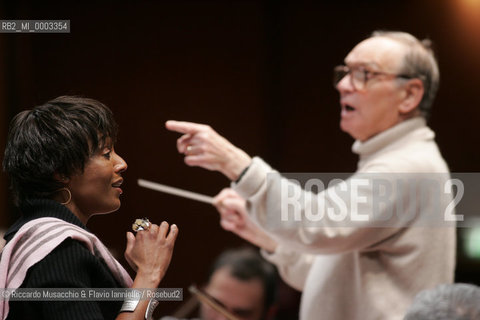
(419, 62)
(446, 302)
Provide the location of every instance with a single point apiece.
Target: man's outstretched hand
(204, 147)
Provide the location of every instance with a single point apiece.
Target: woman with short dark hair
(63, 169)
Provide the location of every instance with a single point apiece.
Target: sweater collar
(39, 208)
(390, 136)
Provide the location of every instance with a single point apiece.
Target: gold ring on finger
(141, 225)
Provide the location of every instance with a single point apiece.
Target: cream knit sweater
(359, 272)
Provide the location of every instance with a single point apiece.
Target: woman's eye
(107, 155)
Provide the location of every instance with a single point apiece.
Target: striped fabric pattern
(35, 240)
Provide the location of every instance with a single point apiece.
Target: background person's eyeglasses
(360, 75)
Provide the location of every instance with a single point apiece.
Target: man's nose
(345, 84)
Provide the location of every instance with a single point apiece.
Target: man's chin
(353, 134)
(345, 127)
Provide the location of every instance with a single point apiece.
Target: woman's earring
(69, 196)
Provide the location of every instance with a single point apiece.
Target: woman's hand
(205, 148)
(150, 251)
(234, 218)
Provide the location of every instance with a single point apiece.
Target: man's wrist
(242, 174)
(239, 163)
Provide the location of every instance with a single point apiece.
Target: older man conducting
(358, 270)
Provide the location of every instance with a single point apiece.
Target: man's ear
(414, 91)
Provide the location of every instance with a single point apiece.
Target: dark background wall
(259, 72)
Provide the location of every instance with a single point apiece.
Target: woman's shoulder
(70, 264)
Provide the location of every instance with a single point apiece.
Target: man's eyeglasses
(359, 76)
